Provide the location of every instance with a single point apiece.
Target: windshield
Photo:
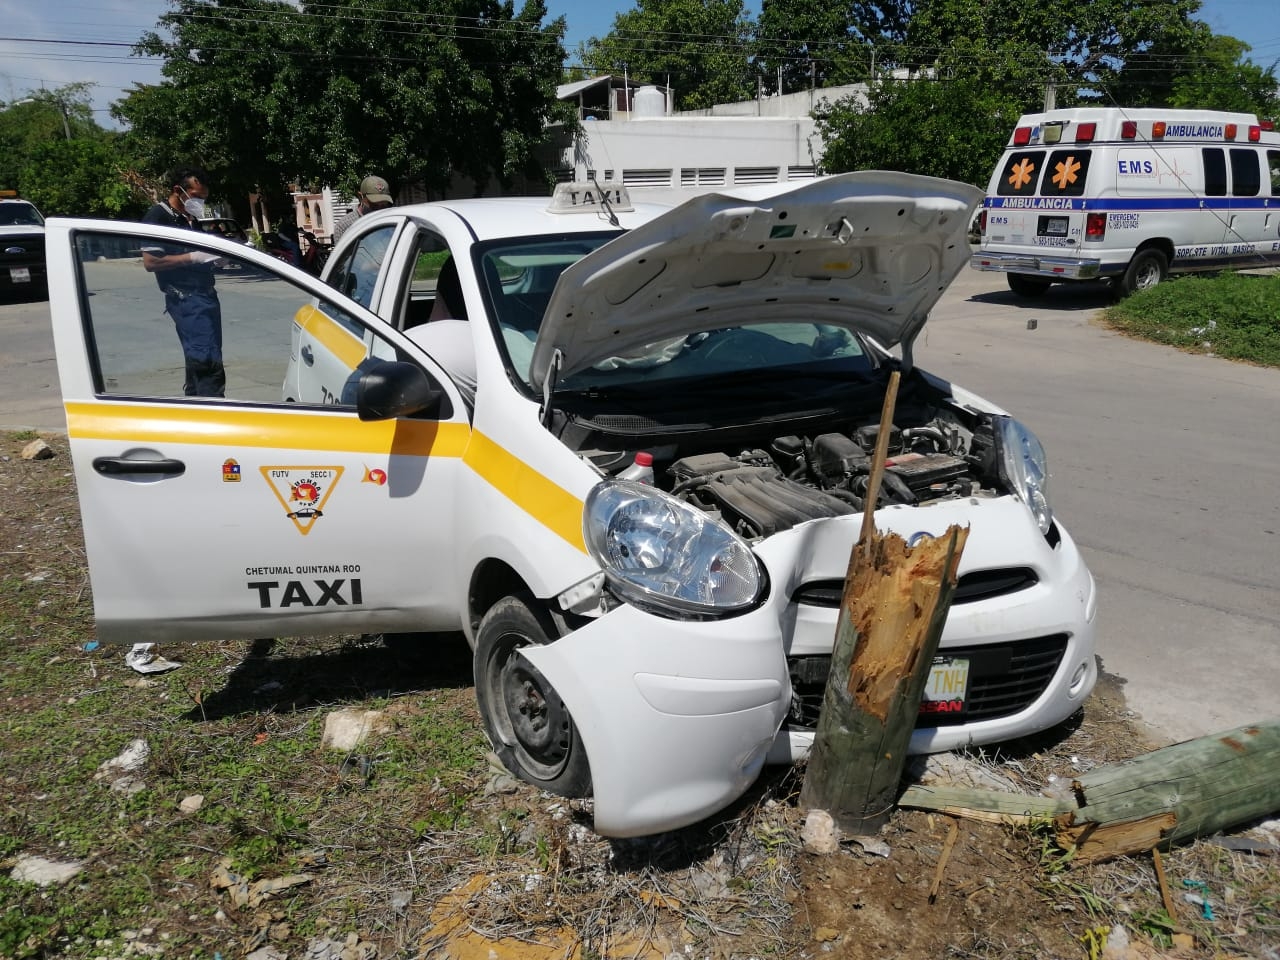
(20, 215)
(519, 277)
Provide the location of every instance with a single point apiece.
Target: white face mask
(193, 205)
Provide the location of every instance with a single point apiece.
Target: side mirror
(392, 388)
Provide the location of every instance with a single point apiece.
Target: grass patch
(1233, 315)
(413, 847)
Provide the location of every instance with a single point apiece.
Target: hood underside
(870, 251)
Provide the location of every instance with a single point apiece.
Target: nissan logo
(15, 249)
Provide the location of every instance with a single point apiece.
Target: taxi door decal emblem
(302, 491)
(230, 471)
(374, 476)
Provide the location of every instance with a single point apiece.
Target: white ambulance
(1131, 196)
(377, 468)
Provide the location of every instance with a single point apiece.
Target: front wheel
(1026, 286)
(1146, 269)
(526, 721)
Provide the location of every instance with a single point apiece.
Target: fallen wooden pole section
(1191, 789)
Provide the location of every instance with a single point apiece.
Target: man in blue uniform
(186, 278)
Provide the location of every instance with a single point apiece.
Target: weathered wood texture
(1177, 793)
(976, 803)
(895, 603)
(1207, 785)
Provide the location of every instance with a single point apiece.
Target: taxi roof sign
(593, 197)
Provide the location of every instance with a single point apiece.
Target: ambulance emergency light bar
(1052, 133)
(1086, 132)
(1129, 131)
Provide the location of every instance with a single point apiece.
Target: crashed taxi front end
(739, 348)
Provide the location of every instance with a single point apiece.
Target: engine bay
(761, 479)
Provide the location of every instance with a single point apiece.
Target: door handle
(111, 466)
(307, 357)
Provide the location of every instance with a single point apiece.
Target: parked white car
(653, 641)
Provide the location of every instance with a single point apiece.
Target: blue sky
(80, 24)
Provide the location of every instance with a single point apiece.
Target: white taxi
(624, 449)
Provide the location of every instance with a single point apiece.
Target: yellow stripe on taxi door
(215, 425)
(280, 429)
(331, 335)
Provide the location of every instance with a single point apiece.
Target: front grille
(971, 587)
(1004, 679)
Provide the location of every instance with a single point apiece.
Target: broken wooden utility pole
(892, 611)
(1177, 793)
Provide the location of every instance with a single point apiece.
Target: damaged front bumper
(679, 717)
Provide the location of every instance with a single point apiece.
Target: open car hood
(870, 251)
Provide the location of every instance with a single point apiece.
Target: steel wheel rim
(531, 717)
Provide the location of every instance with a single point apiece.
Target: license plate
(20, 274)
(1056, 227)
(945, 690)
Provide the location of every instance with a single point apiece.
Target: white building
(631, 134)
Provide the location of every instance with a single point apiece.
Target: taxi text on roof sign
(589, 198)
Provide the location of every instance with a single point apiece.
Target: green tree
(55, 154)
(79, 178)
(38, 117)
(262, 92)
(701, 48)
(1224, 78)
(953, 128)
(1088, 43)
(813, 44)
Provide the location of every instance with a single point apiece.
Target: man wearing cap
(374, 194)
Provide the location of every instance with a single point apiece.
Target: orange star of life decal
(1066, 173)
(1020, 174)
(302, 491)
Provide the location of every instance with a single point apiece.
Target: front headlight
(1024, 469)
(662, 554)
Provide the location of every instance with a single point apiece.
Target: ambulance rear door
(254, 514)
(1038, 200)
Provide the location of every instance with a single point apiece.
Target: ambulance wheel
(1146, 269)
(1025, 286)
(528, 724)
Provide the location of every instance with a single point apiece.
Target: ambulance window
(1020, 174)
(1215, 172)
(1246, 177)
(1273, 161)
(1065, 174)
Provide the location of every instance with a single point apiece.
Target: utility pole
(51, 101)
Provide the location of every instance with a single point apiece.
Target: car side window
(355, 274)
(422, 284)
(172, 320)
(1273, 162)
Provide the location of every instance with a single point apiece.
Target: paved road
(1164, 469)
(29, 394)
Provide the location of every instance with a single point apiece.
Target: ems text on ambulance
(1131, 196)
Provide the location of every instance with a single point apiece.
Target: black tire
(528, 724)
(1146, 269)
(1025, 286)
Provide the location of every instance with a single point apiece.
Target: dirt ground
(741, 885)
